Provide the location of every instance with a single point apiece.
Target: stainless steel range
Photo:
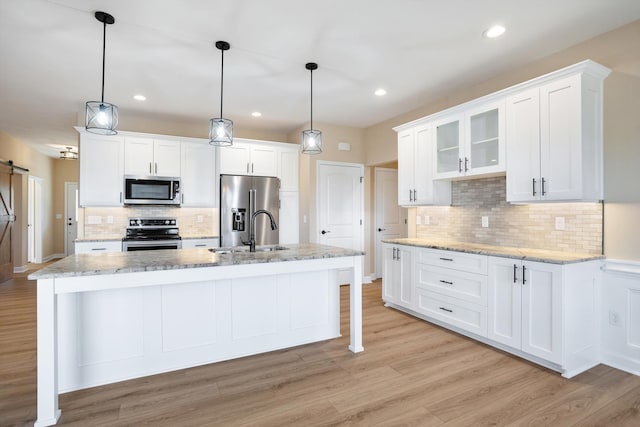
(145, 234)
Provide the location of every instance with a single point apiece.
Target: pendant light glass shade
(311, 139)
(102, 117)
(221, 129)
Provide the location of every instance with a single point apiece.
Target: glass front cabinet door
(449, 155)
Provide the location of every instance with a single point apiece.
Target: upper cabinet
(545, 134)
(198, 178)
(554, 137)
(151, 157)
(470, 142)
(246, 158)
(415, 183)
(101, 170)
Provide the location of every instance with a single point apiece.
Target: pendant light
(221, 129)
(68, 154)
(311, 139)
(102, 117)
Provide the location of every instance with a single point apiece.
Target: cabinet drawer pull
(446, 259)
(444, 281)
(98, 249)
(446, 309)
(200, 245)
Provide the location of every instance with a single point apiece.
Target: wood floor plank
(411, 373)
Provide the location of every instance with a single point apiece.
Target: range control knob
(167, 222)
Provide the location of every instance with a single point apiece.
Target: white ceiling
(418, 50)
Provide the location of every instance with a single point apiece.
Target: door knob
(325, 232)
(381, 229)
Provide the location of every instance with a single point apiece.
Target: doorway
(7, 219)
(34, 220)
(340, 206)
(390, 219)
(70, 217)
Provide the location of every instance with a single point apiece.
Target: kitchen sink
(245, 249)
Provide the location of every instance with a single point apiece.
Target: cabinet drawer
(470, 287)
(199, 243)
(456, 312)
(456, 260)
(97, 247)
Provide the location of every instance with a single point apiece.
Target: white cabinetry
(288, 167)
(554, 137)
(151, 156)
(98, 247)
(397, 284)
(470, 141)
(101, 170)
(452, 287)
(246, 158)
(415, 183)
(289, 216)
(525, 306)
(198, 178)
(200, 243)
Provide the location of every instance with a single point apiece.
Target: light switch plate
(559, 223)
(485, 221)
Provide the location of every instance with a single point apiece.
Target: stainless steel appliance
(240, 198)
(151, 190)
(144, 234)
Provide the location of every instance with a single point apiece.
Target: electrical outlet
(614, 318)
(485, 221)
(427, 220)
(559, 223)
(199, 218)
(418, 222)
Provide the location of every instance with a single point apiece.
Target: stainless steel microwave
(151, 190)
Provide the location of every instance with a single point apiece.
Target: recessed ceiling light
(495, 31)
(380, 92)
(139, 97)
(256, 114)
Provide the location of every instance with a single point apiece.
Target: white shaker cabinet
(101, 170)
(198, 179)
(415, 183)
(152, 156)
(525, 306)
(246, 158)
(397, 282)
(554, 137)
(213, 242)
(92, 247)
(470, 142)
(288, 167)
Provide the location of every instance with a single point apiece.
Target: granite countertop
(95, 239)
(173, 259)
(189, 237)
(540, 255)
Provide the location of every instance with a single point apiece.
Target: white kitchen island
(104, 318)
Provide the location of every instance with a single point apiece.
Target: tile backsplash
(110, 223)
(531, 226)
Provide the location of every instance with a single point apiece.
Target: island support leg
(47, 349)
(355, 297)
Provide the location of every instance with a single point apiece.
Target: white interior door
(34, 225)
(390, 219)
(70, 216)
(340, 206)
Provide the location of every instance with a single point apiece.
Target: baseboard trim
(52, 257)
(21, 269)
(623, 363)
(367, 280)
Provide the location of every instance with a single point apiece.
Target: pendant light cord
(221, 82)
(104, 48)
(311, 124)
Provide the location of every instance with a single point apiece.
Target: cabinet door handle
(524, 269)
(533, 186)
(394, 254)
(247, 167)
(398, 254)
(515, 275)
(150, 171)
(459, 164)
(182, 199)
(466, 164)
(415, 197)
(543, 190)
(251, 167)
(446, 259)
(410, 196)
(444, 281)
(156, 168)
(121, 197)
(446, 309)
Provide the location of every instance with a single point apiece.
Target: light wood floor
(411, 373)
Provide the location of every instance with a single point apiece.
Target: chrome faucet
(252, 228)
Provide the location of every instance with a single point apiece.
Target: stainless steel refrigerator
(240, 197)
